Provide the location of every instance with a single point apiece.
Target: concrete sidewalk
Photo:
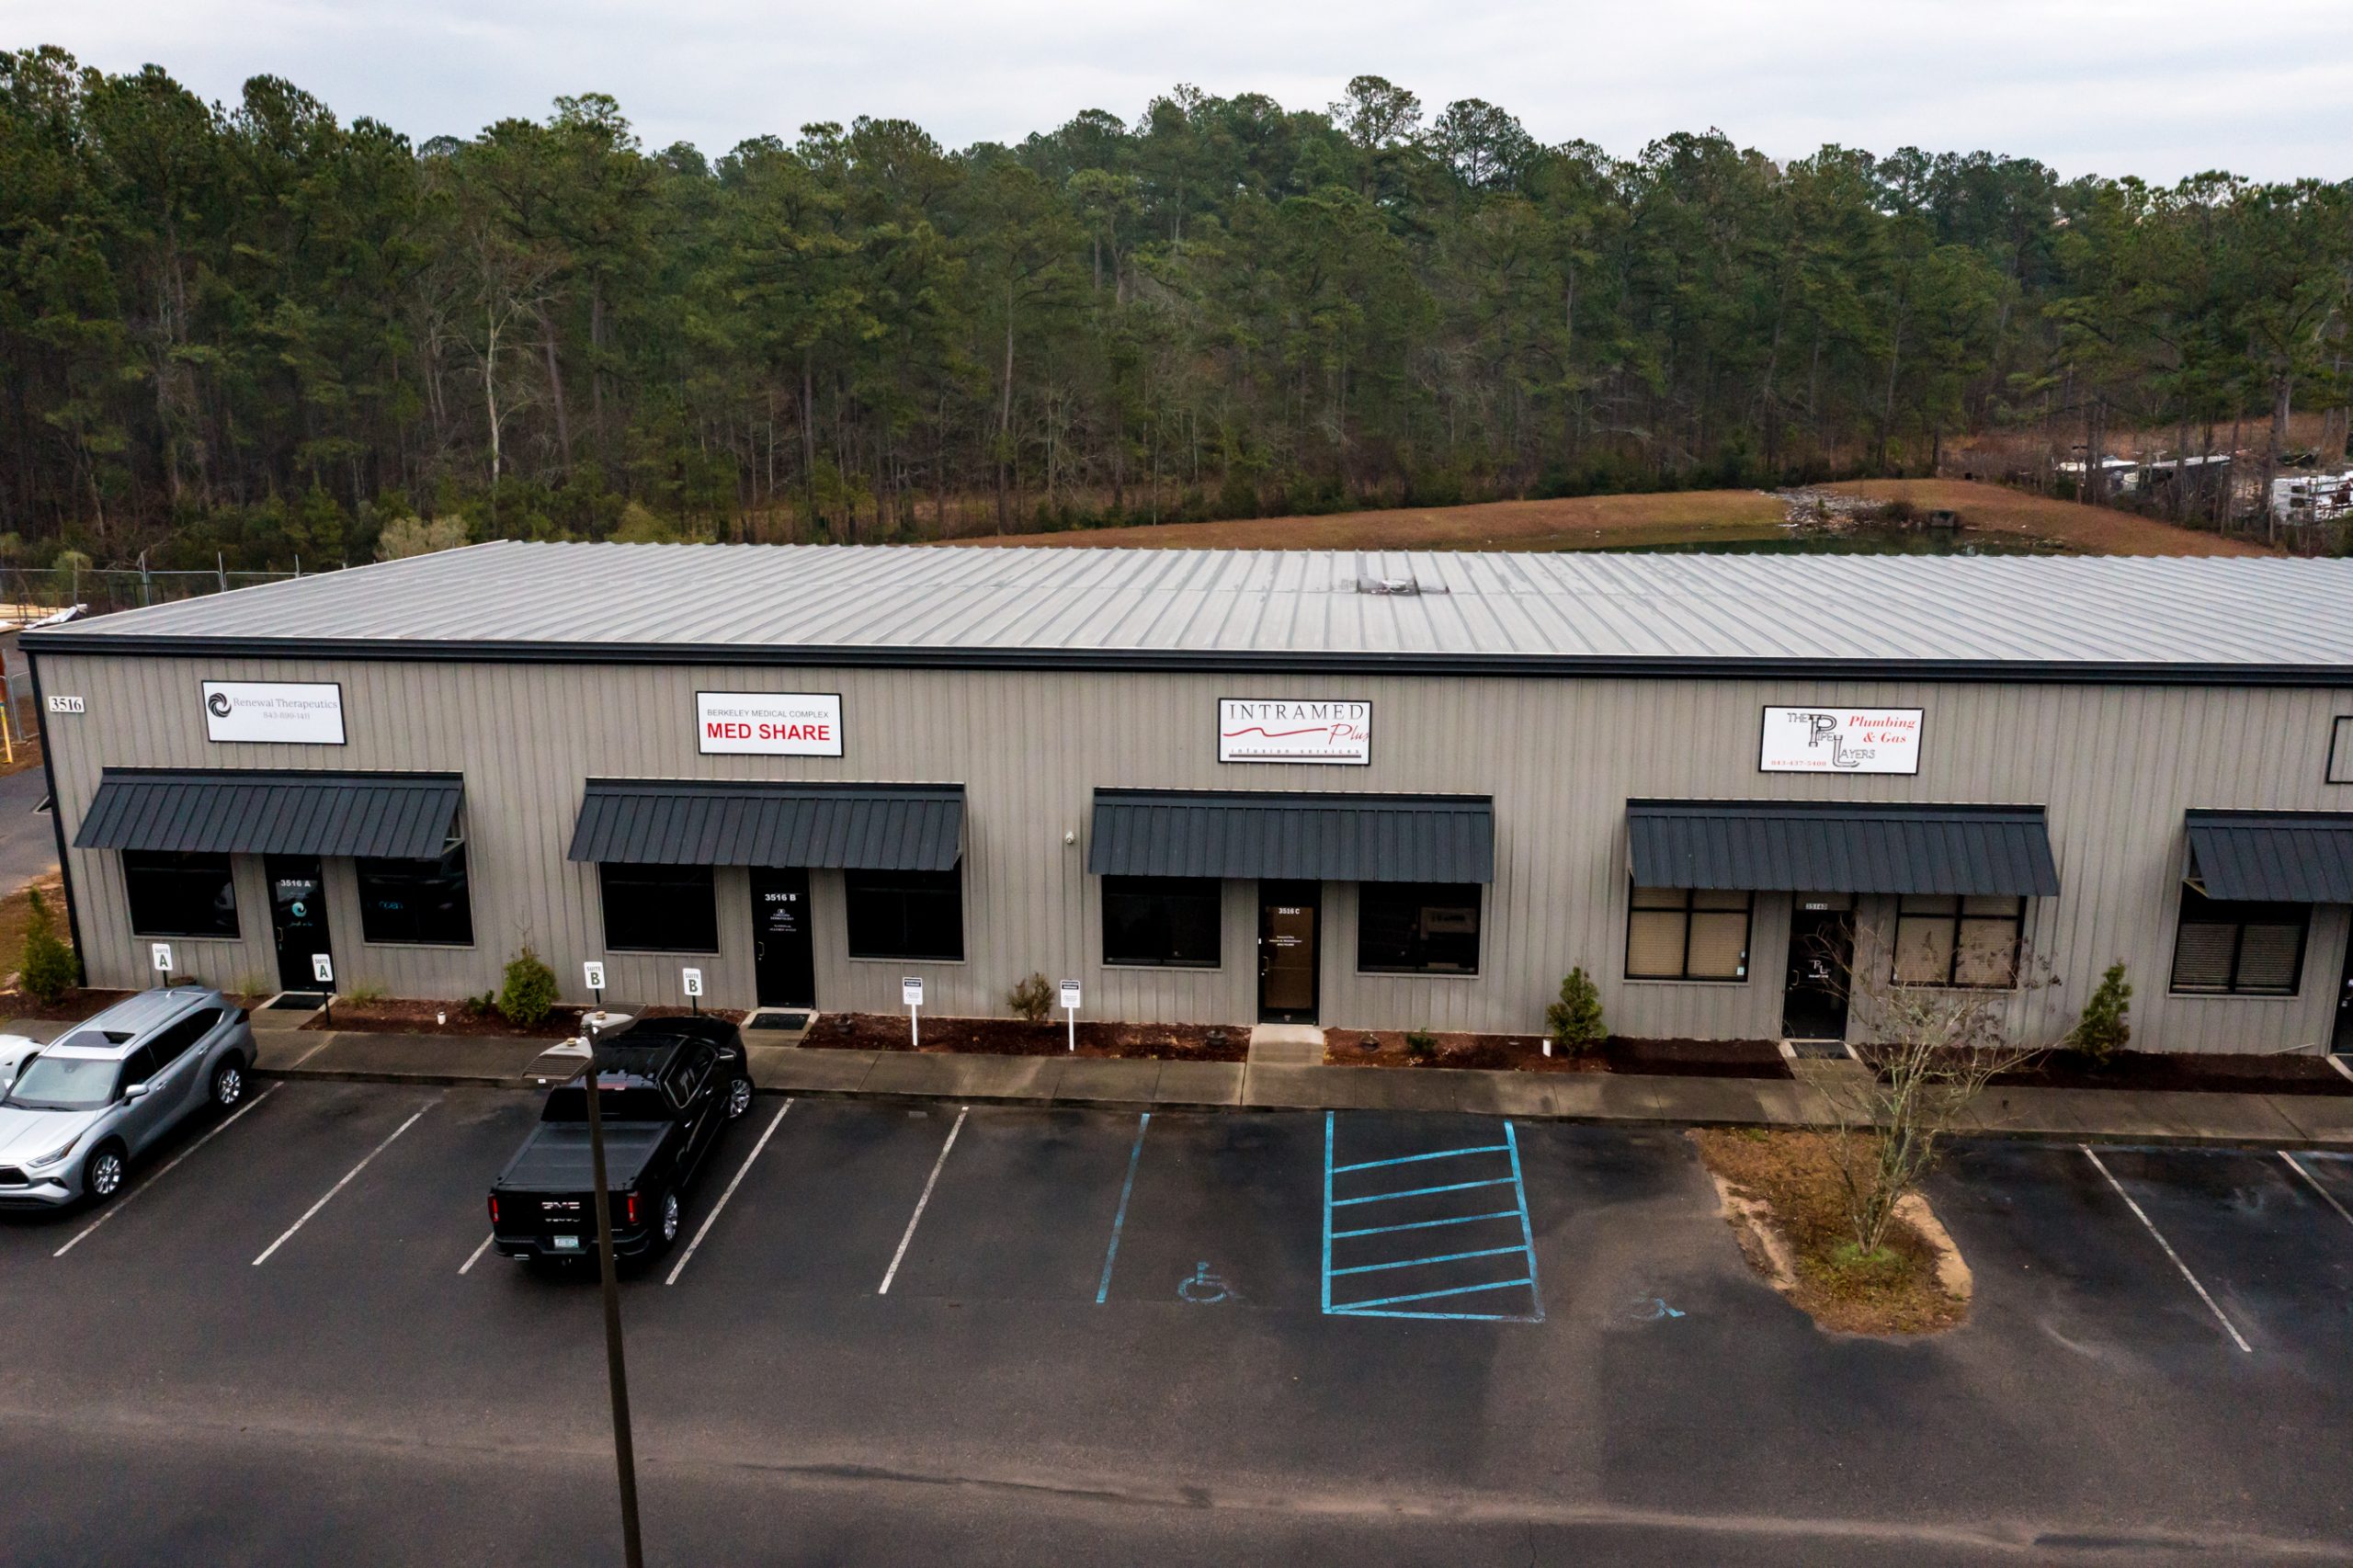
(2284, 1121)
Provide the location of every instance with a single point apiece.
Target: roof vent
(1397, 587)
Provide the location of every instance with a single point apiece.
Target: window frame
(2245, 912)
(1687, 909)
(1210, 888)
(138, 862)
(1953, 921)
(1478, 902)
(860, 885)
(360, 873)
(708, 877)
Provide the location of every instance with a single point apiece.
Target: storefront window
(179, 895)
(422, 901)
(2238, 949)
(1688, 934)
(1171, 921)
(659, 909)
(1417, 927)
(1947, 940)
(904, 914)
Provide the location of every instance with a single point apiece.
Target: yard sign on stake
(911, 993)
(1069, 1009)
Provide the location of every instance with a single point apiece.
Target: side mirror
(134, 1091)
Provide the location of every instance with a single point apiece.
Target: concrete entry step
(1286, 1045)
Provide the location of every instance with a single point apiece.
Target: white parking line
(467, 1267)
(741, 1171)
(917, 1218)
(2228, 1327)
(2326, 1196)
(163, 1170)
(312, 1051)
(338, 1186)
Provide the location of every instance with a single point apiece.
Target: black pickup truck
(665, 1089)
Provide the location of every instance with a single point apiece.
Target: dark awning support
(2273, 856)
(864, 827)
(392, 816)
(1835, 846)
(1309, 838)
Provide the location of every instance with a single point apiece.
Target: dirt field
(1590, 522)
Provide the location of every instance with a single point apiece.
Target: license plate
(567, 1243)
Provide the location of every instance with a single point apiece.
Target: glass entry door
(784, 959)
(1287, 964)
(298, 919)
(1822, 951)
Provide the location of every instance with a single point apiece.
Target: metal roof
(1994, 617)
(1832, 846)
(1309, 837)
(2274, 857)
(396, 816)
(865, 827)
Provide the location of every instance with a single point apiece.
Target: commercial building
(1363, 789)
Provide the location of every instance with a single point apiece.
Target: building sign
(1251, 729)
(273, 712)
(769, 723)
(1841, 740)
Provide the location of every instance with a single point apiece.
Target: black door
(1287, 966)
(298, 917)
(1822, 948)
(2342, 1041)
(784, 961)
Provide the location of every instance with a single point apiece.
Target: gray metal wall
(2117, 767)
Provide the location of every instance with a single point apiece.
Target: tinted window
(66, 1082)
(179, 895)
(904, 914)
(659, 909)
(1688, 934)
(570, 1103)
(2238, 949)
(686, 1076)
(138, 1067)
(1417, 927)
(174, 1040)
(1161, 920)
(423, 902)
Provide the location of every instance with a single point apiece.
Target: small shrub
(1032, 998)
(50, 968)
(250, 985)
(1420, 1044)
(370, 992)
(2106, 1027)
(1574, 1021)
(528, 994)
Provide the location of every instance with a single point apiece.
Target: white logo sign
(1069, 995)
(911, 990)
(273, 710)
(322, 969)
(593, 972)
(768, 723)
(1251, 729)
(65, 705)
(1841, 740)
(161, 952)
(693, 979)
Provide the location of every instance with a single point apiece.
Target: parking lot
(1012, 1335)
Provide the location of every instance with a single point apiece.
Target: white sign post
(692, 978)
(1070, 1010)
(593, 972)
(911, 994)
(1841, 740)
(322, 969)
(159, 954)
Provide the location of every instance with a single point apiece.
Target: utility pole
(615, 1368)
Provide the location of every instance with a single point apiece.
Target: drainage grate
(296, 1002)
(773, 1020)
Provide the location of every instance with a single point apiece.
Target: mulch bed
(74, 1006)
(403, 1015)
(1525, 1054)
(1012, 1037)
(2234, 1073)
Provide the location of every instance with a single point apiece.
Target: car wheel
(102, 1178)
(228, 1084)
(739, 1098)
(670, 1218)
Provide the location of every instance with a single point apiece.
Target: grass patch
(1783, 1188)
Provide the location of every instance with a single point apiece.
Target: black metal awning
(866, 827)
(392, 816)
(1309, 837)
(2273, 856)
(1833, 846)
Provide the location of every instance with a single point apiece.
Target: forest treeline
(249, 331)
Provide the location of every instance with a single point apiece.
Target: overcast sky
(2159, 88)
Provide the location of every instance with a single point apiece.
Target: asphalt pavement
(928, 1332)
(27, 837)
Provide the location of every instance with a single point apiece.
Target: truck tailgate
(557, 1159)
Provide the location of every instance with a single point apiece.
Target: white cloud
(2160, 88)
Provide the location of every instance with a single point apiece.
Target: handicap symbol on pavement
(1651, 1309)
(1203, 1289)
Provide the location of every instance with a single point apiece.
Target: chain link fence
(28, 594)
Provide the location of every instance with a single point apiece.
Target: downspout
(57, 817)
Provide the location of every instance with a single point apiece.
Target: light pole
(616, 1367)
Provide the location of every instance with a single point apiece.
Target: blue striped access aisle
(1437, 1233)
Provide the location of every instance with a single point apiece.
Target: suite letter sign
(1256, 729)
(1841, 740)
(306, 715)
(769, 723)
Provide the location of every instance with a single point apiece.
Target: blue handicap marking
(1204, 1289)
(1436, 1234)
(1651, 1309)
